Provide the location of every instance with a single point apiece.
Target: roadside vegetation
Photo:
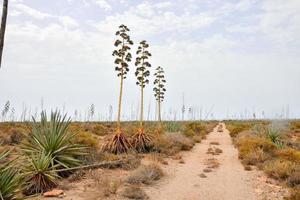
(271, 146)
(39, 156)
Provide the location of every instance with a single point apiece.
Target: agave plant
(159, 89)
(53, 139)
(119, 143)
(141, 140)
(9, 179)
(273, 135)
(39, 174)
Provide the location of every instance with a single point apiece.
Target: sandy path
(227, 182)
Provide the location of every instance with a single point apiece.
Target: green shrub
(52, 138)
(39, 174)
(9, 179)
(194, 128)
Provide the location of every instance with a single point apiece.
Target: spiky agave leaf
(9, 179)
(118, 144)
(52, 138)
(141, 141)
(39, 174)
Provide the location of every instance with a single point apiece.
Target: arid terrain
(206, 167)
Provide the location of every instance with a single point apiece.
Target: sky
(222, 58)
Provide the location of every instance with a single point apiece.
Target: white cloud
(31, 12)
(68, 22)
(103, 4)
(147, 19)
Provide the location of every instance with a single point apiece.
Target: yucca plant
(159, 89)
(119, 143)
(141, 140)
(53, 139)
(9, 179)
(39, 174)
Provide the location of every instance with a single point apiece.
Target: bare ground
(224, 177)
(211, 171)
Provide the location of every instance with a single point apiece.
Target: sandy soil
(229, 181)
(224, 177)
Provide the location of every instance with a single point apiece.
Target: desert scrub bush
(134, 192)
(295, 125)
(141, 140)
(39, 174)
(159, 89)
(172, 126)
(145, 174)
(279, 168)
(294, 178)
(246, 145)
(172, 143)
(236, 127)
(194, 129)
(288, 154)
(119, 143)
(256, 157)
(294, 194)
(9, 179)
(86, 138)
(52, 138)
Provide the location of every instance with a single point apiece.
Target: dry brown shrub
(214, 143)
(145, 174)
(157, 157)
(247, 145)
(279, 169)
(255, 157)
(134, 192)
(172, 143)
(288, 154)
(87, 138)
(294, 179)
(106, 185)
(247, 167)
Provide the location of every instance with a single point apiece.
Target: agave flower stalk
(119, 143)
(141, 140)
(159, 89)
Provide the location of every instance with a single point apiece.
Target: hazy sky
(231, 56)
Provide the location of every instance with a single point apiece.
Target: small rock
(203, 175)
(207, 170)
(54, 193)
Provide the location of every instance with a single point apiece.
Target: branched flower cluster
(142, 64)
(122, 54)
(159, 84)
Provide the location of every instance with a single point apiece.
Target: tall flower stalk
(119, 143)
(140, 139)
(159, 89)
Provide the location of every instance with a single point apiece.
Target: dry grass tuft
(214, 151)
(172, 143)
(212, 163)
(145, 174)
(247, 145)
(157, 157)
(207, 170)
(294, 179)
(279, 169)
(247, 167)
(214, 143)
(134, 192)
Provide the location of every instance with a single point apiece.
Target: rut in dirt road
(211, 171)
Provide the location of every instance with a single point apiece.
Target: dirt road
(228, 181)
